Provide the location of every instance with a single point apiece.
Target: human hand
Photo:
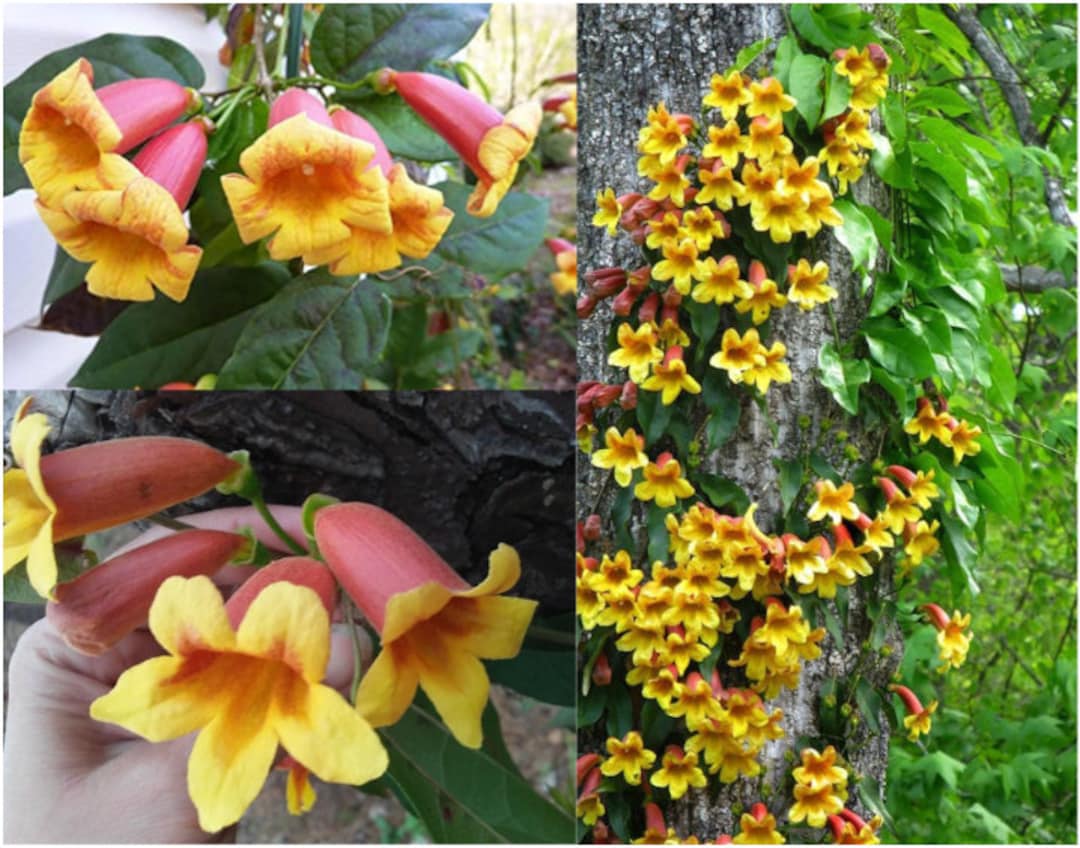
(69, 778)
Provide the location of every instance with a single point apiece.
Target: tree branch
(1012, 90)
(1032, 279)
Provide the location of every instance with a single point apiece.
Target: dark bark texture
(631, 57)
(466, 470)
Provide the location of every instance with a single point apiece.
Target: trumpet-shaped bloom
(92, 487)
(703, 226)
(134, 235)
(767, 98)
(671, 378)
(764, 295)
(719, 186)
(72, 135)
(305, 183)
(814, 804)
(490, 144)
(928, 423)
(623, 453)
(608, 211)
(953, 641)
(737, 353)
(807, 286)
(728, 93)
(720, 282)
(248, 686)
(564, 280)
(963, 441)
(836, 503)
(758, 827)
(820, 770)
(854, 64)
(773, 370)
(637, 350)
(435, 628)
(765, 139)
(679, 771)
(726, 143)
(627, 756)
(663, 482)
(919, 718)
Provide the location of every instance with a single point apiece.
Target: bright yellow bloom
(856, 65)
(663, 482)
(663, 136)
(616, 572)
(764, 297)
(589, 602)
(670, 334)
(773, 370)
(608, 211)
(628, 756)
(929, 423)
(671, 378)
(838, 153)
(758, 827)
(623, 453)
(807, 286)
(725, 144)
(779, 215)
(681, 650)
(855, 129)
(719, 186)
(767, 98)
(703, 226)
(759, 182)
(837, 504)
(662, 686)
(720, 282)
(820, 210)
(695, 703)
(589, 808)
(679, 771)
(620, 610)
(801, 179)
(735, 759)
(962, 440)
(680, 264)
(419, 219)
(820, 770)
(29, 510)
(669, 227)
(868, 93)
(309, 186)
(300, 795)
(923, 542)
(671, 182)
(814, 804)
(920, 722)
(766, 140)
(637, 350)
(727, 94)
(953, 642)
(804, 559)
(737, 353)
(135, 239)
(876, 533)
(249, 689)
(850, 173)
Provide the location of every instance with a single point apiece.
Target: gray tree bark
(466, 470)
(630, 58)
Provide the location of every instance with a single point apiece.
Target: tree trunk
(466, 470)
(630, 58)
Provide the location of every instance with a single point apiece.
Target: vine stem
(264, 82)
(294, 24)
(550, 635)
(259, 503)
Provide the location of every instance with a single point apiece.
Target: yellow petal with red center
(420, 218)
(299, 793)
(65, 137)
(504, 570)
(388, 687)
(490, 628)
(407, 609)
(229, 764)
(189, 616)
(136, 239)
(330, 738)
(500, 151)
(306, 184)
(288, 623)
(456, 683)
(162, 698)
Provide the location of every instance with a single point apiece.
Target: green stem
(540, 633)
(295, 24)
(259, 503)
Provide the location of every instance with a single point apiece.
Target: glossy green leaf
(837, 95)
(653, 416)
(352, 40)
(318, 332)
(944, 100)
(157, 342)
(724, 493)
(114, 58)
(494, 246)
(722, 400)
(749, 53)
(620, 515)
(657, 532)
(463, 795)
(807, 87)
(545, 675)
(869, 702)
(842, 377)
(898, 349)
(856, 234)
(943, 29)
(791, 473)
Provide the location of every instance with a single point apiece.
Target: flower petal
(388, 687)
(188, 615)
(288, 622)
(228, 766)
(158, 700)
(457, 685)
(504, 570)
(406, 609)
(24, 516)
(490, 628)
(331, 739)
(41, 560)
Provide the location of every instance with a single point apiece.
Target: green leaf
(65, 276)
(842, 377)
(620, 514)
(657, 532)
(748, 54)
(945, 100)
(722, 401)
(837, 95)
(867, 698)
(154, 343)
(465, 795)
(856, 234)
(943, 30)
(959, 554)
(942, 765)
(960, 142)
(723, 492)
(318, 332)
(807, 84)
(69, 565)
(897, 349)
(403, 131)
(790, 480)
(653, 416)
(494, 246)
(114, 58)
(899, 390)
(892, 113)
(1001, 391)
(546, 675)
(350, 41)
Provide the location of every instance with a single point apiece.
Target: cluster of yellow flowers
(958, 435)
(846, 139)
(663, 481)
(820, 787)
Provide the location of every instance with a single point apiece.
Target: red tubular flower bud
(756, 272)
(586, 304)
(601, 671)
(823, 544)
(911, 701)
(602, 835)
(606, 282)
(639, 277)
(301, 571)
(756, 622)
(352, 124)
(759, 811)
(101, 606)
(559, 245)
(674, 352)
(176, 386)
(585, 763)
(715, 683)
(853, 818)
(724, 839)
(878, 55)
(905, 475)
(579, 543)
(110, 483)
(842, 536)
(624, 301)
(297, 101)
(863, 521)
(552, 104)
(592, 528)
(664, 459)
(606, 396)
(628, 398)
(654, 819)
(937, 616)
(910, 530)
(142, 107)
(836, 824)
(590, 784)
(889, 489)
(175, 158)
(672, 298)
(648, 309)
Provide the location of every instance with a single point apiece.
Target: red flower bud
(606, 396)
(888, 487)
(878, 55)
(654, 819)
(905, 475)
(592, 528)
(559, 245)
(672, 298)
(756, 272)
(142, 107)
(937, 616)
(586, 304)
(648, 309)
(911, 701)
(297, 101)
(352, 124)
(601, 671)
(585, 763)
(624, 301)
(175, 158)
(759, 811)
(628, 398)
(842, 536)
(301, 571)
